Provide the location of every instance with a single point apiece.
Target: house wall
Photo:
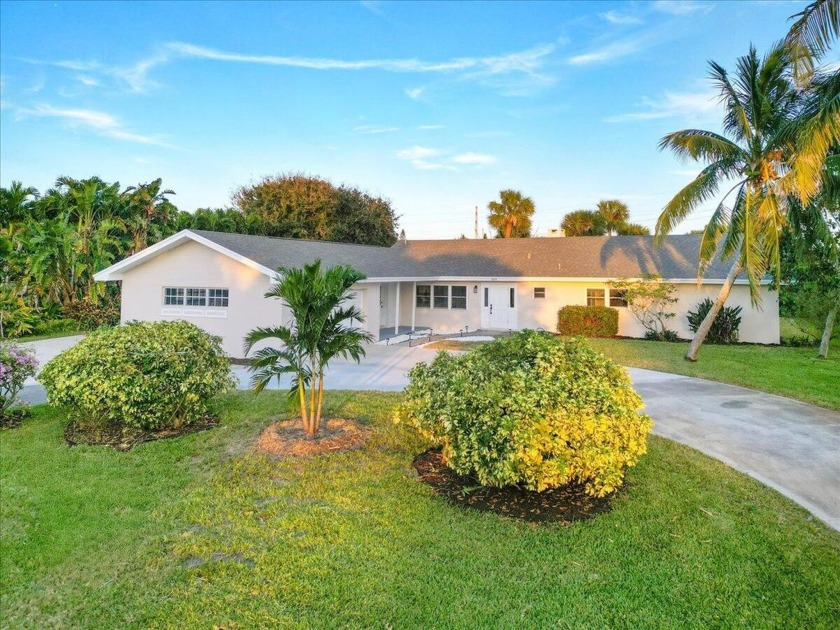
(757, 326)
(195, 265)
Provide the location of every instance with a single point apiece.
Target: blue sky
(434, 106)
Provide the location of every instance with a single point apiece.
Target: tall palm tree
(615, 214)
(753, 157)
(322, 330)
(511, 215)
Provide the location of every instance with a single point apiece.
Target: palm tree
(511, 216)
(761, 107)
(322, 330)
(615, 214)
(583, 223)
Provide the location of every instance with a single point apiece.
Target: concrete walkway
(787, 445)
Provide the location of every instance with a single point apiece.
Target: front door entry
(498, 307)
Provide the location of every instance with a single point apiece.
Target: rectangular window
(486, 296)
(217, 297)
(441, 296)
(539, 293)
(173, 296)
(459, 297)
(618, 297)
(196, 297)
(512, 293)
(595, 297)
(424, 295)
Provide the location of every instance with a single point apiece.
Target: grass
(792, 372)
(94, 538)
(49, 335)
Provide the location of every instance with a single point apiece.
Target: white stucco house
(218, 281)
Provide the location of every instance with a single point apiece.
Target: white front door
(384, 319)
(498, 307)
(357, 300)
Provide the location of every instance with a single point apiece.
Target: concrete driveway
(787, 445)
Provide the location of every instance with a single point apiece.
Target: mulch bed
(564, 505)
(125, 438)
(13, 418)
(288, 439)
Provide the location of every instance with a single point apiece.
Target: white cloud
(609, 52)
(681, 7)
(431, 127)
(417, 153)
(474, 158)
(102, 123)
(374, 129)
(374, 6)
(691, 105)
(87, 80)
(414, 93)
(614, 17)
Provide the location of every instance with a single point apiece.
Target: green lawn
(95, 538)
(792, 372)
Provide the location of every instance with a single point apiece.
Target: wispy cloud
(431, 127)
(414, 93)
(374, 6)
(681, 7)
(692, 105)
(611, 51)
(431, 159)
(474, 158)
(615, 17)
(87, 81)
(100, 122)
(514, 73)
(417, 153)
(374, 129)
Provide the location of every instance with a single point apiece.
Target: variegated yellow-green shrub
(531, 410)
(146, 375)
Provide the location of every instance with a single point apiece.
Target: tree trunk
(706, 325)
(302, 396)
(311, 430)
(320, 401)
(826, 336)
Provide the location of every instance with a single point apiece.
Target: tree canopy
(511, 215)
(295, 205)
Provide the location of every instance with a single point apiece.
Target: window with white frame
(173, 296)
(539, 293)
(424, 296)
(459, 297)
(217, 297)
(196, 297)
(618, 297)
(441, 296)
(595, 297)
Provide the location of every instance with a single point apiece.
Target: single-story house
(218, 281)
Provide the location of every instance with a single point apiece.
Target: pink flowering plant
(16, 365)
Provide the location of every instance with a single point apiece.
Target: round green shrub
(145, 375)
(530, 410)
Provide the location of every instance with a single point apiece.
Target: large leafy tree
(300, 206)
(752, 159)
(511, 215)
(322, 329)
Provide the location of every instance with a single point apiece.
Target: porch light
(475, 288)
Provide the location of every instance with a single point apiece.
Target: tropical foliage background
(52, 243)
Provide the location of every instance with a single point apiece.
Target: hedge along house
(218, 281)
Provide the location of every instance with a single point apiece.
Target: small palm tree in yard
(322, 329)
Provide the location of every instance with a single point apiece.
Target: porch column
(397, 316)
(413, 305)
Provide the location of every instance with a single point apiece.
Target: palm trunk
(302, 396)
(826, 336)
(706, 325)
(320, 401)
(312, 429)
